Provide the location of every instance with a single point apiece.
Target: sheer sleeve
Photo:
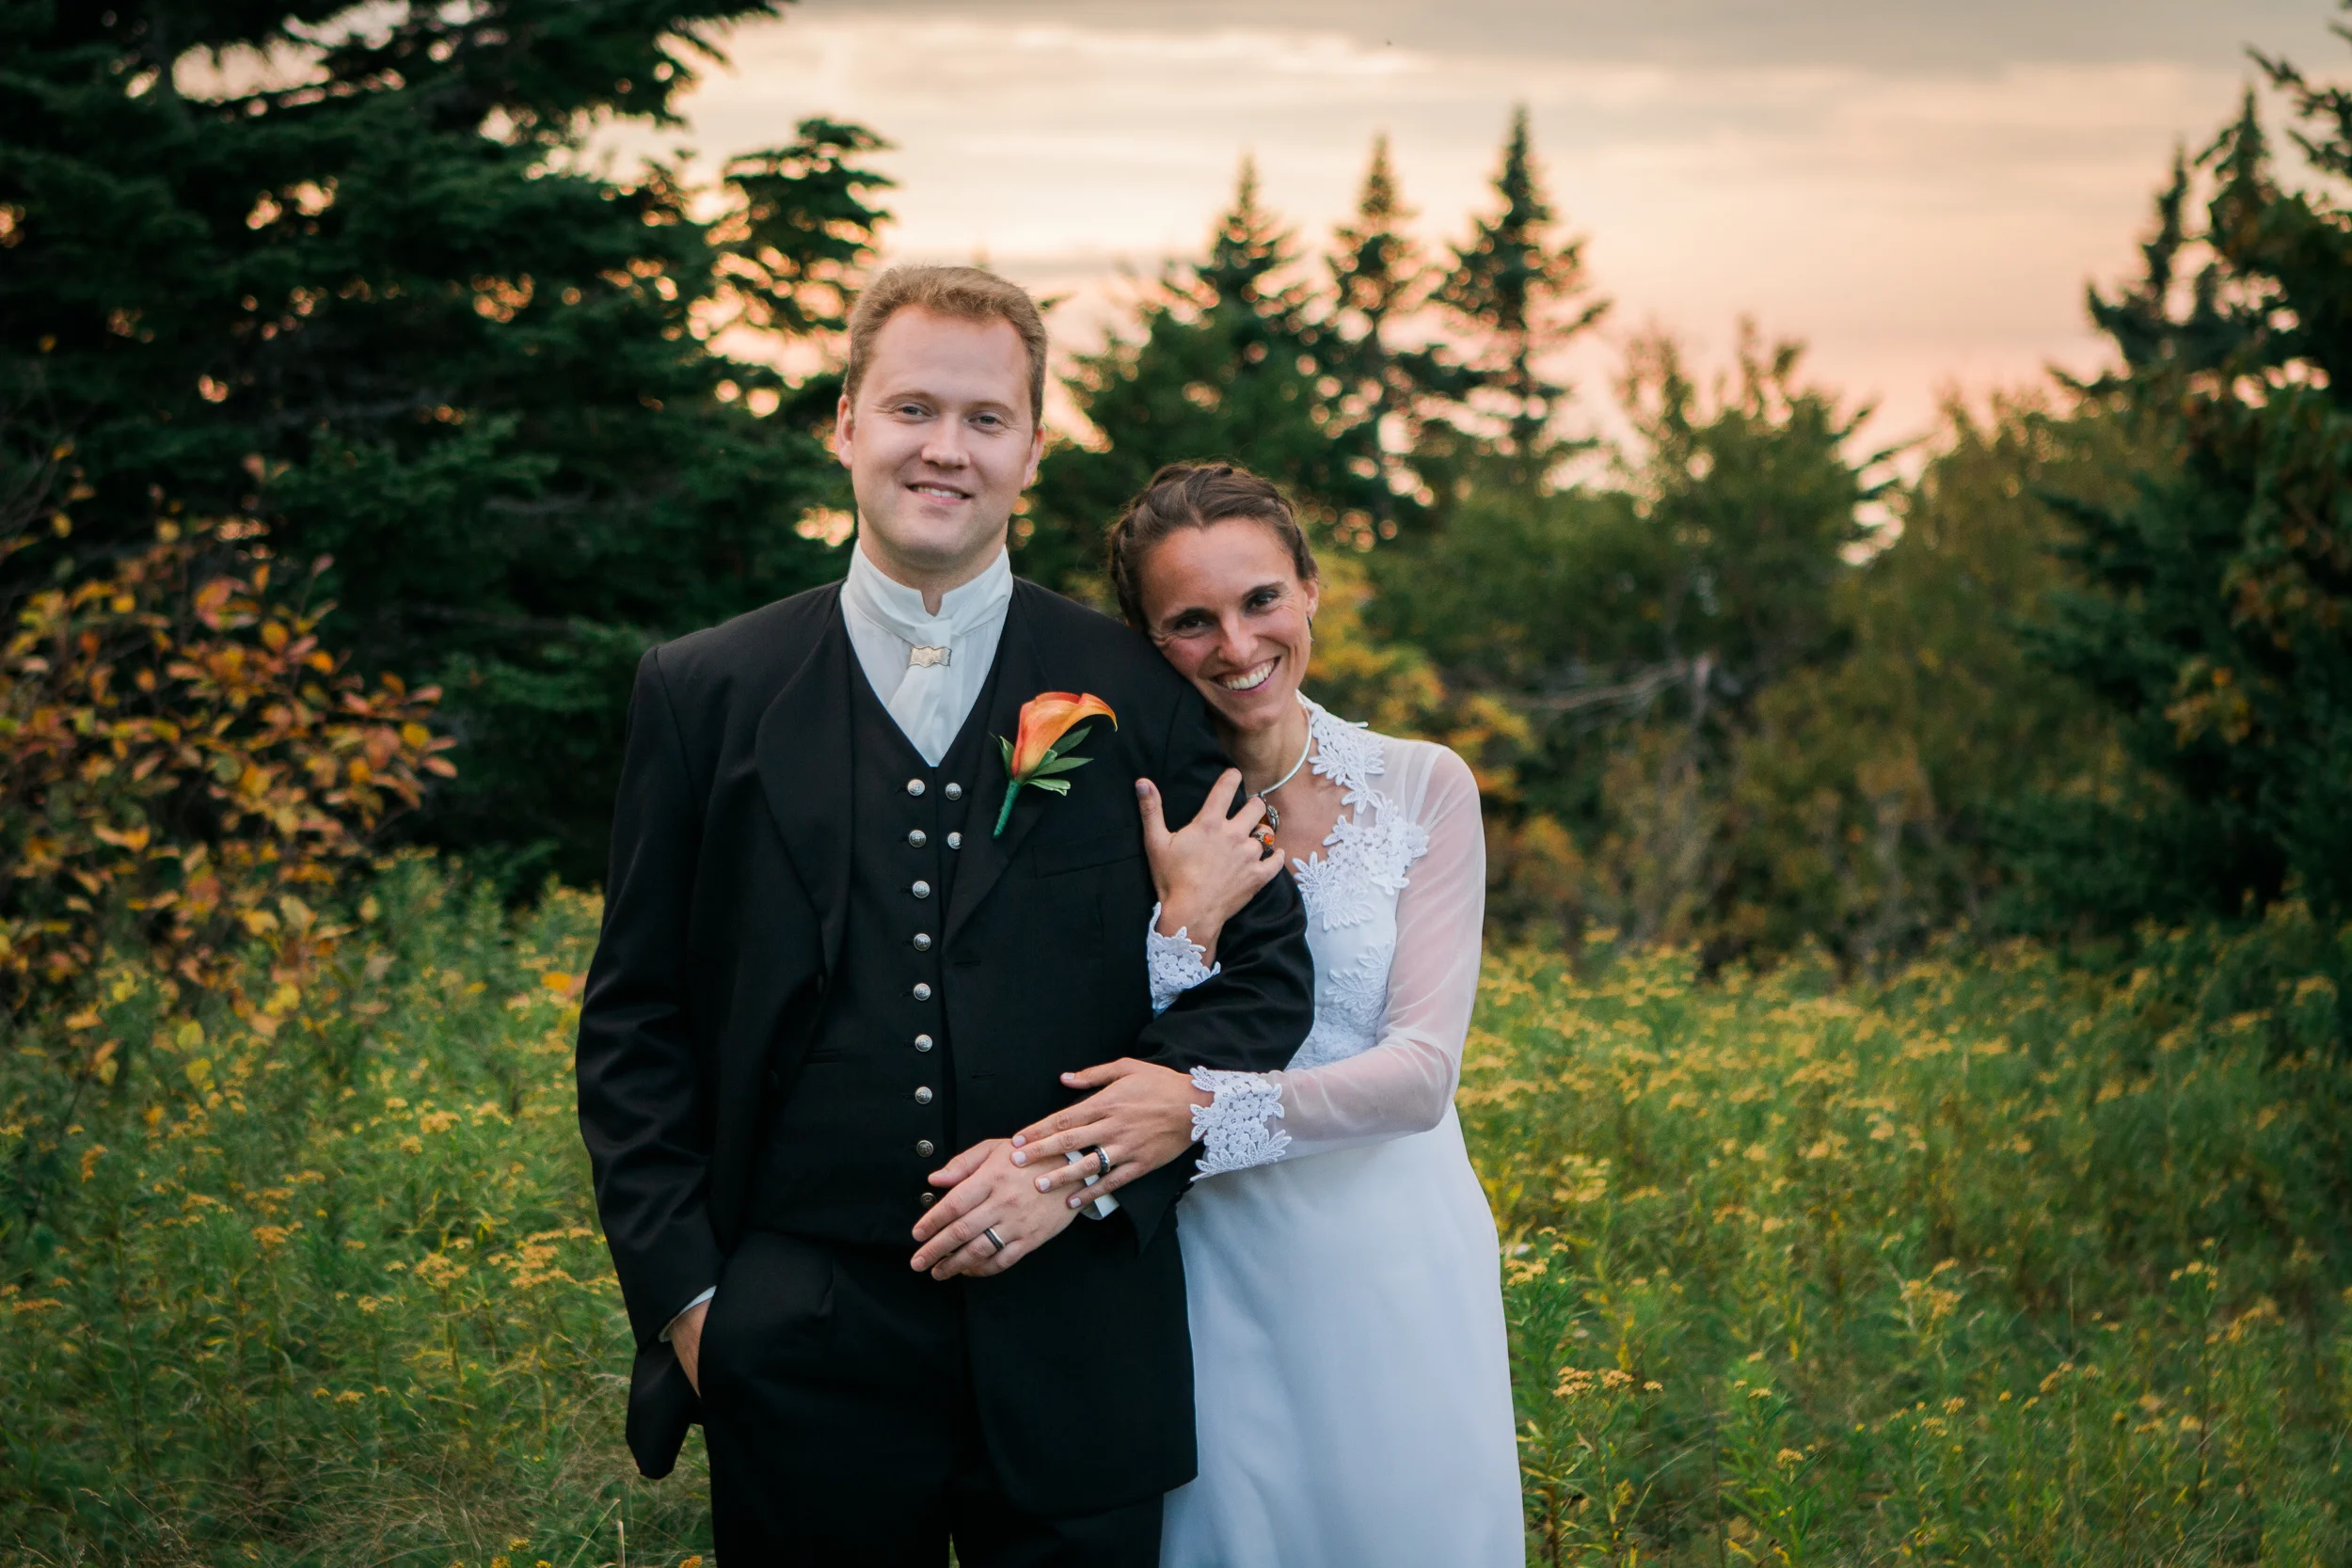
(1404, 1084)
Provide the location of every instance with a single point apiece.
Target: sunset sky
(1920, 191)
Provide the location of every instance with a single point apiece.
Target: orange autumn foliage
(183, 768)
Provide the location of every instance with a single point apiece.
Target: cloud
(1900, 35)
(1920, 221)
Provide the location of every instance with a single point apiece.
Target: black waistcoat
(871, 1114)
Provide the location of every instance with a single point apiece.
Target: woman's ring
(995, 1240)
(1103, 1160)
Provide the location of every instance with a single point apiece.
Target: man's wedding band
(995, 1240)
(1102, 1159)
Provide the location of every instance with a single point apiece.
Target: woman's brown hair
(1195, 495)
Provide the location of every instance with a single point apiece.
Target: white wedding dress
(1349, 1366)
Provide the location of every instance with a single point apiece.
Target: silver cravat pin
(922, 659)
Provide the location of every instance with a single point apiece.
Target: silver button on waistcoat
(923, 1146)
(922, 941)
(923, 1096)
(922, 1042)
(918, 838)
(955, 841)
(921, 890)
(955, 792)
(914, 787)
(922, 990)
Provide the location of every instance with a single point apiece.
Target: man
(826, 966)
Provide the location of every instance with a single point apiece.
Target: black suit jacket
(722, 923)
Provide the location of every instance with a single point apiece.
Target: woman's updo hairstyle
(1195, 495)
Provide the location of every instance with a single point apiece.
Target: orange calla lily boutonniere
(1043, 747)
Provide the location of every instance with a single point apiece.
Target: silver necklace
(1273, 817)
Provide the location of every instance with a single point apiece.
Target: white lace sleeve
(1404, 1084)
(1236, 1128)
(1174, 962)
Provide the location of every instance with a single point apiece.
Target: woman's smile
(1251, 678)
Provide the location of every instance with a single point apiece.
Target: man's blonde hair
(967, 292)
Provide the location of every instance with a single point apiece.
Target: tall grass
(331, 1296)
(1990, 1263)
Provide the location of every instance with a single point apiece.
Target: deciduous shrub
(184, 770)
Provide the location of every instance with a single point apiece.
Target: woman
(1350, 1370)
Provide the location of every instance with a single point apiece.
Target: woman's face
(1226, 608)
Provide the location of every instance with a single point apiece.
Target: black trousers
(838, 1406)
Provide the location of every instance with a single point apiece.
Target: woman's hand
(1210, 869)
(1140, 1115)
(985, 1190)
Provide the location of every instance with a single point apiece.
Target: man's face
(939, 443)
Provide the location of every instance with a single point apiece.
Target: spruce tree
(1234, 361)
(2215, 613)
(1377, 267)
(1523, 287)
(384, 301)
(1408, 395)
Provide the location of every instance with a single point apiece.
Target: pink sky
(1920, 195)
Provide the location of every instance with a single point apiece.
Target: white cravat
(927, 669)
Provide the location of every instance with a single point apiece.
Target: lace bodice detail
(1359, 906)
(1365, 860)
(1350, 888)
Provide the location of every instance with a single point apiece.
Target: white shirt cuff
(664, 1335)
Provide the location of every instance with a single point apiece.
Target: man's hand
(685, 1337)
(985, 1189)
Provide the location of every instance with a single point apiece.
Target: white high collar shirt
(929, 698)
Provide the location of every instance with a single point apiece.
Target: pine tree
(2215, 615)
(1248, 284)
(1408, 396)
(387, 305)
(1234, 361)
(1525, 290)
(1379, 276)
(2140, 319)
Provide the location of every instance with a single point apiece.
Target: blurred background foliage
(1963, 830)
(1733, 678)
(352, 274)
(188, 770)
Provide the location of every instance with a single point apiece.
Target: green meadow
(1994, 1260)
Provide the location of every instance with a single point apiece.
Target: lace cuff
(1237, 1125)
(1174, 964)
